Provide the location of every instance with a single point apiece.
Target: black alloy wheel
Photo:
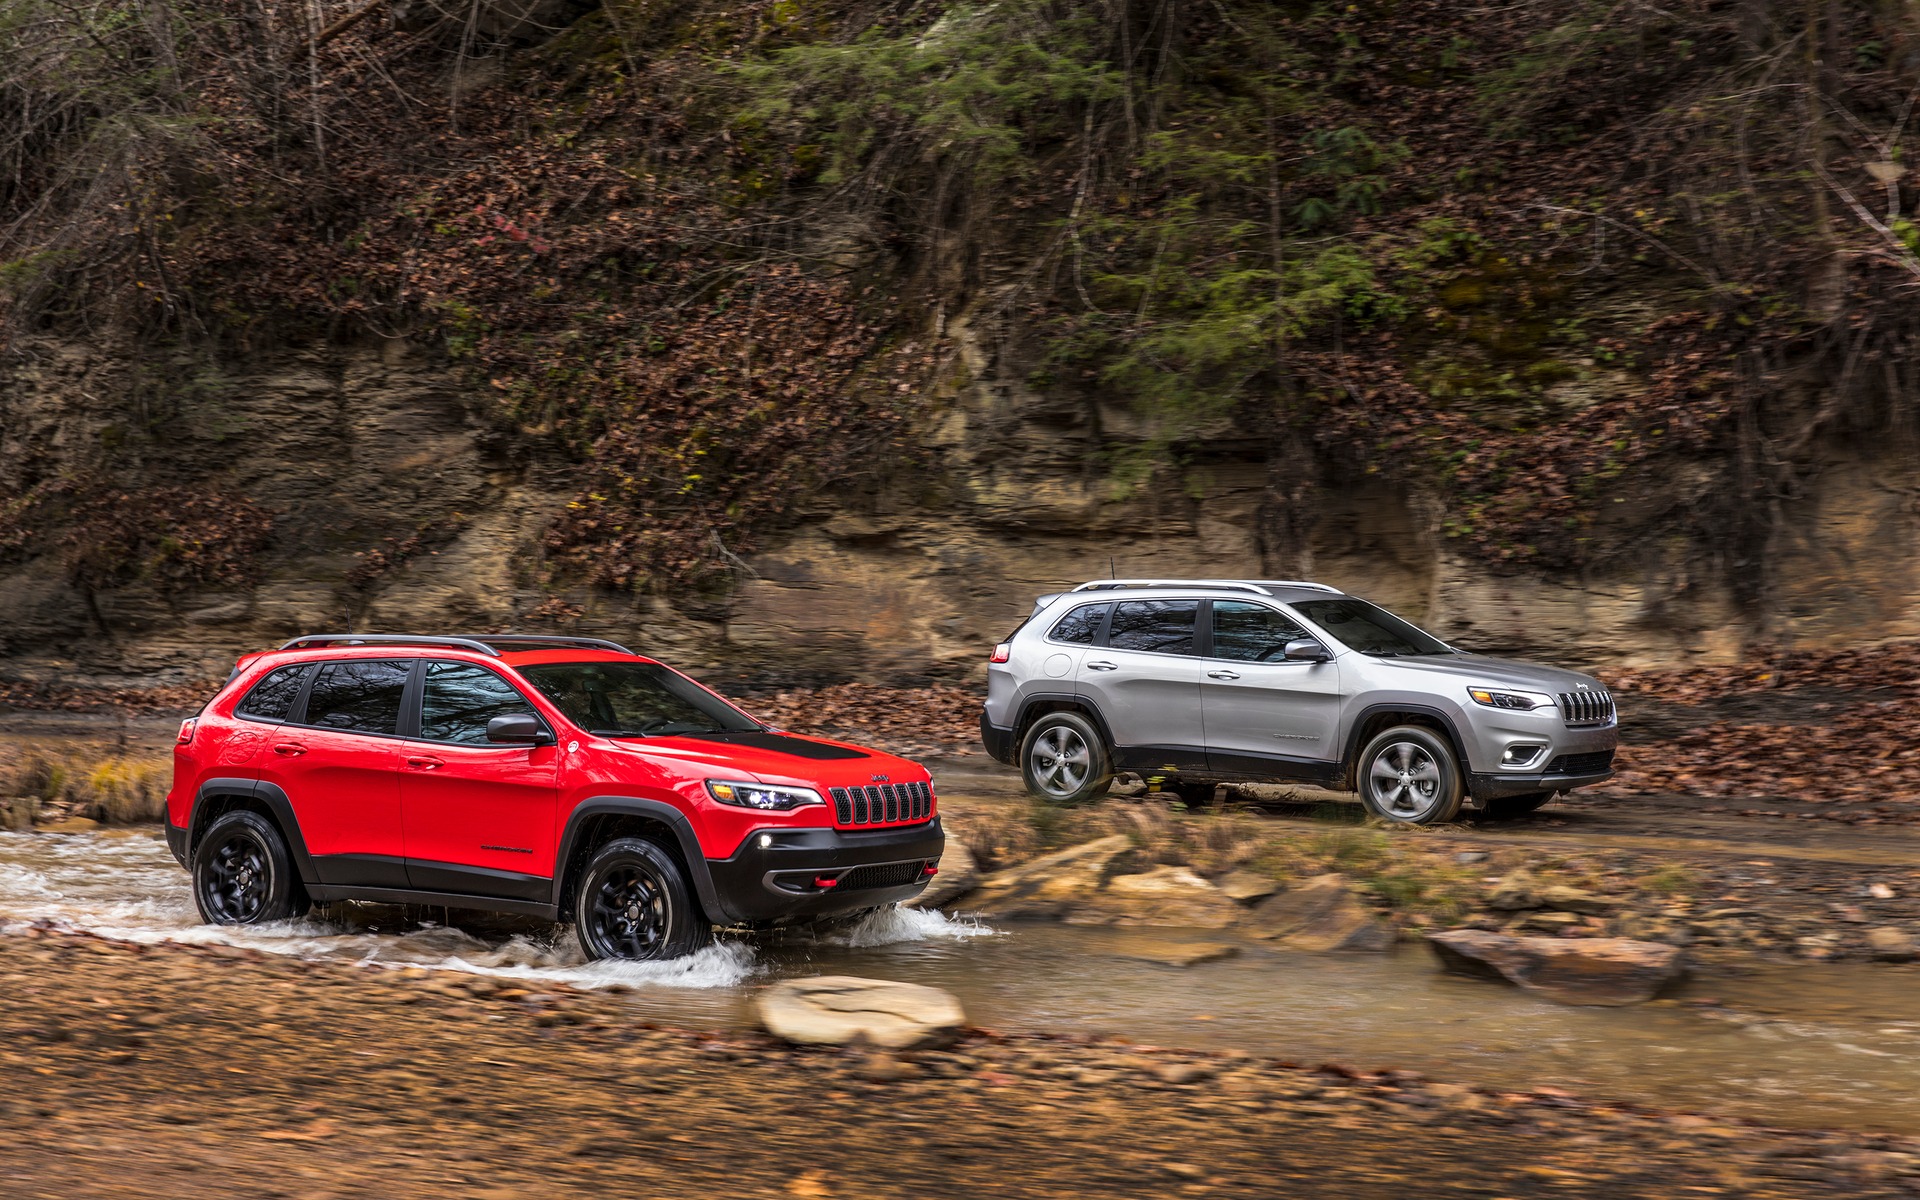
(242, 874)
(634, 903)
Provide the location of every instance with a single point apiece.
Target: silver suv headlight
(768, 797)
(1514, 701)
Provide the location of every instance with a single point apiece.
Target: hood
(769, 756)
(1496, 672)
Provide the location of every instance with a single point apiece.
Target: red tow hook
(930, 869)
(822, 881)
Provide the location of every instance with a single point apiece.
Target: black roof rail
(313, 641)
(542, 639)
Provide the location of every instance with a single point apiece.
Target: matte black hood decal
(782, 743)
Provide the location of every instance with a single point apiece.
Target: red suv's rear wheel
(242, 874)
(633, 902)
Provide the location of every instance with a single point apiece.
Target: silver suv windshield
(1369, 628)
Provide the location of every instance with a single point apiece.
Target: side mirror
(1306, 650)
(519, 729)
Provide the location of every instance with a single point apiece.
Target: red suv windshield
(634, 700)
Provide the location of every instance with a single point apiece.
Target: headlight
(768, 797)
(1518, 701)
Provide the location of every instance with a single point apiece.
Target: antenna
(1111, 573)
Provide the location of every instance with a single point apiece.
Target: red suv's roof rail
(533, 640)
(312, 641)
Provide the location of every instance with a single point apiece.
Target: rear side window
(1158, 626)
(1081, 626)
(272, 698)
(361, 696)
(460, 699)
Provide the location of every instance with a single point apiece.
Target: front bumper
(1488, 787)
(998, 741)
(784, 879)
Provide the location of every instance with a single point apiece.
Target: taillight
(1002, 652)
(186, 731)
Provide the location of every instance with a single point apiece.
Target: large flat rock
(1053, 885)
(1319, 914)
(835, 1010)
(1597, 971)
(1171, 896)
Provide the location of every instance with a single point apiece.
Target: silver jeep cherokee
(1200, 682)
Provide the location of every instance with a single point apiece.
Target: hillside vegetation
(1599, 279)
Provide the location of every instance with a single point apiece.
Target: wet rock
(1561, 898)
(1183, 1073)
(1892, 945)
(1177, 954)
(1880, 891)
(835, 1010)
(1515, 892)
(1320, 914)
(1471, 856)
(1052, 885)
(1596, 971)
(1171, 896)
(1246, 887)
(959, 874)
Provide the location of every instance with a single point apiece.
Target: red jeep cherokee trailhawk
(565, 778)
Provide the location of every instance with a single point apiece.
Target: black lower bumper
(176, 840)
(802, 873)
(998, 741)
(1488, 787)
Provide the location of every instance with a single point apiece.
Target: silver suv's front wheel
(1408, 775)
(1064, 759)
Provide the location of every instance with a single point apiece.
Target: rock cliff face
(376, 449)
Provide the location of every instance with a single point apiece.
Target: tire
(1408, 775)
(242, 873)
(633, 903)
(1064, 760)
(1502, 808)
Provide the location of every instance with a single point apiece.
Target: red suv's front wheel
(634, 903)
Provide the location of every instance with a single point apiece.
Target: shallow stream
(1812, 1045)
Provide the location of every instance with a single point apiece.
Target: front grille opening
(882, 804)
(882, 875)
(1591, 763)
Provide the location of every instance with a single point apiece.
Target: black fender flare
(657, 810)
(1092, 711)
(1349, 760)
(266, 793)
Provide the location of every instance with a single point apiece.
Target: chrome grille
(882, 804)
(1591, 707)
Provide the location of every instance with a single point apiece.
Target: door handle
(425, 762)
(289, 748)
(1223, 674)
(1103, 665)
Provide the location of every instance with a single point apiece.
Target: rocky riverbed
(142, 1071)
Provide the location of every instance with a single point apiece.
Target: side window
(359, 695)
(1161, 626)
(460, 698)
(1080, 626)
(1251, 632)
(272, 698)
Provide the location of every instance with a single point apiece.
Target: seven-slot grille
(1591, 763)
(1591, 707)
(882, 803)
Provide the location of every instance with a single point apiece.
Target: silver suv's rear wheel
(1408, 775)
(1064, 760)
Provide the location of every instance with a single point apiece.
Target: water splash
(890, 926)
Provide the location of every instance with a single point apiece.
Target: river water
(1811, 1045)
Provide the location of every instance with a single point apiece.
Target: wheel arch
(593, 823)
(1039, 705)
(1376, 718)
(217, 797)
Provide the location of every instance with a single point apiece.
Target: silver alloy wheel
(1061, 760)
(1405, 780)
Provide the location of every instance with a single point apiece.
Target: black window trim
(409, 700)
(1306, 627)
(299, 704)
(1202, 627)
(1099, 635)
(413, 716)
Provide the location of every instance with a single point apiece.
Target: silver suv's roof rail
(1262, 587)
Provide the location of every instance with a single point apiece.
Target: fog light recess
(1520, 756)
